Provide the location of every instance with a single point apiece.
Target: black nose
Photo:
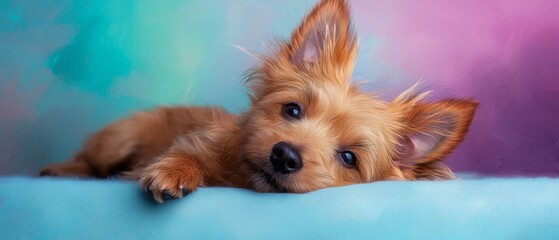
(285, 158)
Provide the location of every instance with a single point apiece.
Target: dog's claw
(48, 173)
(167, 195)
(149, 194)
(185, 191)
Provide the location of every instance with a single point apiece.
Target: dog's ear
(322, 48)
(432, 131)
(324, 38)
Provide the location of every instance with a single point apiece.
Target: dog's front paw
(171, 178)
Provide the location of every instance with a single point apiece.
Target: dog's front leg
(175, 175)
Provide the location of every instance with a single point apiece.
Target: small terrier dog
(308, 127)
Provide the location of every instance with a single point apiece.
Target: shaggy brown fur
(302, 97)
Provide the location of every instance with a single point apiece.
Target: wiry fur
(175, 150)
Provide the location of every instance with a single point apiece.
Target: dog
(308, 127)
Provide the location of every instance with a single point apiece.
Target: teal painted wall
(70, 67)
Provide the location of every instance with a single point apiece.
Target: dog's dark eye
(291, 110)
(348, 158)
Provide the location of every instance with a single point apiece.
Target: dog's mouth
(262, 176)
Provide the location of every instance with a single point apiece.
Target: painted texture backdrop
(68, 68)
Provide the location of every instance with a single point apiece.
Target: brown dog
(307, 128)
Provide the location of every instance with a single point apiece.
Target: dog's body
(308, 128)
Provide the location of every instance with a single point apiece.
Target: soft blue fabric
(461, 209)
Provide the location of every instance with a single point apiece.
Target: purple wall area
(504, 54)
(69, 67)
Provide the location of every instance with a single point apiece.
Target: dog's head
(309, 127)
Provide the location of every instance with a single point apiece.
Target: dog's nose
(285, 158)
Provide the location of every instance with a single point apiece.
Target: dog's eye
(348, 158)
(291, 110)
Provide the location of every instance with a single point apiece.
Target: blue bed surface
(494, 208)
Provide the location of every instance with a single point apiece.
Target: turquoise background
(68, 68)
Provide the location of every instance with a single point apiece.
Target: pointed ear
(325, 36)
(433, 131)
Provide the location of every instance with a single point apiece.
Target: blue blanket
(32, 208)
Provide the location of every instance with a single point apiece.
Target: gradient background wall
(68, 68)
